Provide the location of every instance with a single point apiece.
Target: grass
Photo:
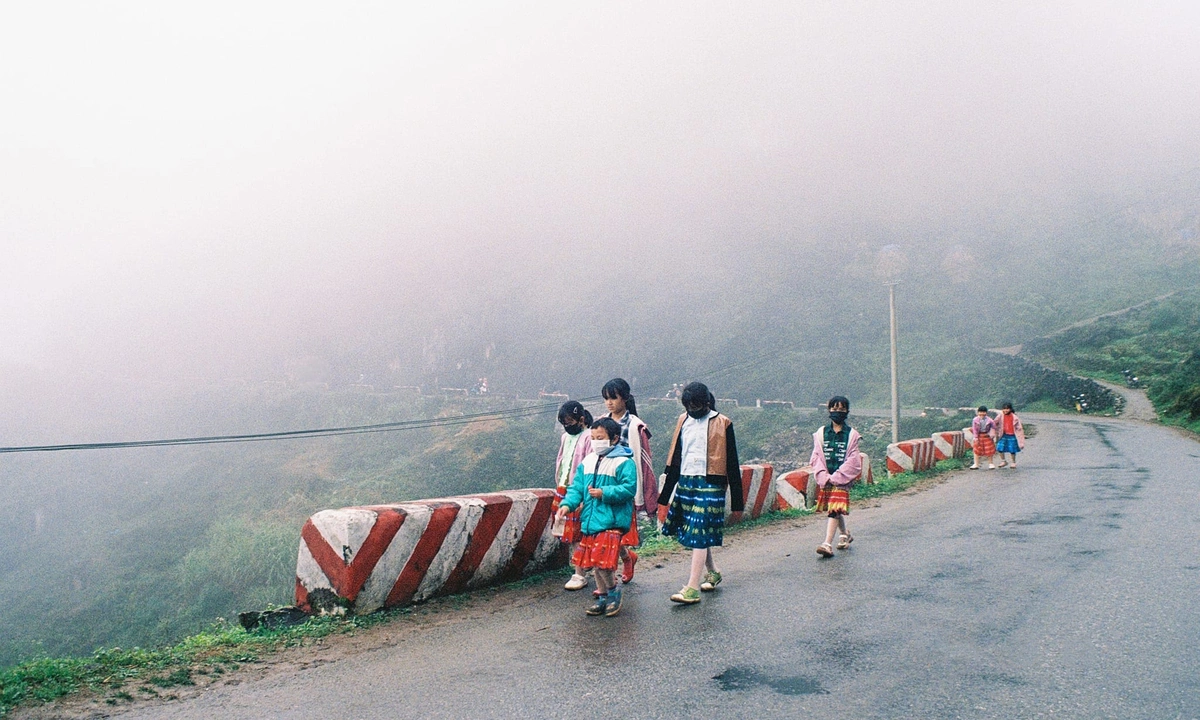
(119, 675)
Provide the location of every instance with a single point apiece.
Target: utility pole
(895, 379)
(889, 267)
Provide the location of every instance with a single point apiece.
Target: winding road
(1066, 588)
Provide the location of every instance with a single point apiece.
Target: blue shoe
(600, 606)
(614, 603)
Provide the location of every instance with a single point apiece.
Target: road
(1066, 588)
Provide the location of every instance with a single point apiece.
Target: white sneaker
(991, 466)
(973, 467)
(577, 582)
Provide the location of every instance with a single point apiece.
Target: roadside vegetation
(1158, 344)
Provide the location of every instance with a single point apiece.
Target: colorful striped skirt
(573, 529)
(984, 445)
(598, 551)
(697, 514)
(1008, 444)
(834, 500)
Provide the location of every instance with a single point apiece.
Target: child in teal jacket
(605, 484)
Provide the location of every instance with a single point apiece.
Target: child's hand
(596, 492)
(561, 514)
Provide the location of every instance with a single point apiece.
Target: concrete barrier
(947, 445)
(969, 437)
(910, 456)
(390, 555)
(758, 490)
(867, 475)
(795, 490)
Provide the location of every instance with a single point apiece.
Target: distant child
(836, 464)
(635, 435)
(573, 447)
(701, 463)
(984, 430)
(603, 490)
(1012, 435)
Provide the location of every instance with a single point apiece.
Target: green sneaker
(687, 596)
(600, 606)
(711, 581)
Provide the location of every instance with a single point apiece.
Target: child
(701, 463)
(603, 490)
(985, 443)
(573, 447)
(1012, 435)
(635, 435)
(836, 464)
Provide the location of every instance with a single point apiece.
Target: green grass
(115, 674)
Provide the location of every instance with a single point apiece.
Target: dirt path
(1137, 405)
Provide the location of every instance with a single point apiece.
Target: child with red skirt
(573, 447)
(603, 490)
(836, 464)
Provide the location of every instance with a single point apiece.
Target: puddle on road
(1044, 520)
(745, 678)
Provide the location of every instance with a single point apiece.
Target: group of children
(1002, 434)
(605, 481)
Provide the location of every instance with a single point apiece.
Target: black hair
(838, 400)
(695, 394)
(574, 410)
(981, 408)
(610, 426)
(618, 388)
(1006, 404)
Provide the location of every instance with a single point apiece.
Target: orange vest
(717, 449)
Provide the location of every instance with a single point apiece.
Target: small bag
(559, 527)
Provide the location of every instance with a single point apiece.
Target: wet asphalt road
(1067, 588)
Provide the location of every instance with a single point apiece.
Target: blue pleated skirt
(1008, 444)
(696, 517)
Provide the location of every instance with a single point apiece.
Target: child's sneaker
(825, 550)
(711, 581)
(686, 596)
(577, 582)
(627, 565)
(974, 467)
(600, 606)
(991, 466)
(614, 603)
(844, 541)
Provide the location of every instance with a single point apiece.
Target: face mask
(697, 414)
(573, 429)
(600, 445)
(838, 416)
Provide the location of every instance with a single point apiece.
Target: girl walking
(836, 464)
(701, 463)
(573, 447)
(1012, 435)
(622, 408)
(984, 429)
(603, 490)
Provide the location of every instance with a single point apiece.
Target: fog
(242, 217)
(209, 191)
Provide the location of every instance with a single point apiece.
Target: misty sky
(178, 176)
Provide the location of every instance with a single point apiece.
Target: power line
(300, 434)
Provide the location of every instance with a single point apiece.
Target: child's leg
(841, 522)
(698, 560)
(991, 461)
(975, 455)
(831, 529)
(604, 580)
(709, 562)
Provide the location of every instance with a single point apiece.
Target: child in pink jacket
(836, 464)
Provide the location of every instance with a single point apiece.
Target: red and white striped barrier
(910, 456)
(948, 445)
(969, 437)
(389, 555)
(867, 475)
(792, 489)
(758, 490)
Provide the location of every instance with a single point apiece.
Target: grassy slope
(1159, 343)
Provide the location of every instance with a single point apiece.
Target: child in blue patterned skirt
(701, 463)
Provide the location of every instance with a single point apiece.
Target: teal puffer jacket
(616, 475)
